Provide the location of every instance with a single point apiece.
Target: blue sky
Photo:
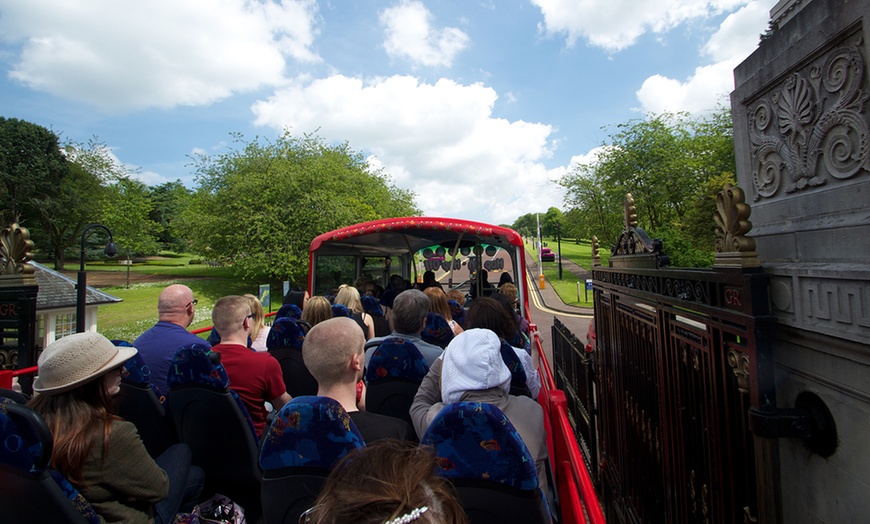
(478, 106)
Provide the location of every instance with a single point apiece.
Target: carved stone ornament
(596, 258)
(741, 367)
(733, 247)
(15, 253)
(634, 241)
(812, 128)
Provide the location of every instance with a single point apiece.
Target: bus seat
(140, 402)
(480, 451)
(15, 396)
(518, 373)
(289, 310)
(393, 375)
(284, 342)
(305, 439)
(437, 331)
(211, 418)
(340, 310)
(29, 490)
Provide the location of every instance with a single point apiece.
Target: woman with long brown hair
(438, 304)
(97, 451)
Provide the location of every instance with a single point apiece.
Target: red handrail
(578, 500)
(209, 328)
(7, 375)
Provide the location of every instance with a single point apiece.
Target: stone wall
(802, 137)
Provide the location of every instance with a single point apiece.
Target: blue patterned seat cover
(396, 357)
(340, 310)
(475, 440)
(137, 372)
(23, 449)
(457, 312)
(285, 333)
(193, 366)
(311, 432)
(437, 330)
(289, 310)
(372, 306)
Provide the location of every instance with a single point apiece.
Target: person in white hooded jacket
(471, 370)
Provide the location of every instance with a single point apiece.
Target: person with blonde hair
(316, 310)
(388, 482)
(97, 451)
(438, 304)
(259, 331)
(348, 296)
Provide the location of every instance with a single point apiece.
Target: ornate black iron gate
(681, 357)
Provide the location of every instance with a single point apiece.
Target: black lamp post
(82, 284)
(559, 246)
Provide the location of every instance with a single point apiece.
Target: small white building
(56, 305)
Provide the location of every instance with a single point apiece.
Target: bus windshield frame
(409, 246)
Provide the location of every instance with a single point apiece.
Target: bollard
(541, 282)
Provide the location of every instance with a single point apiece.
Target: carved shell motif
(732, 221)
(16, 250)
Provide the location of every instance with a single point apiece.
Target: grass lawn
(579, 253)
(138, 311)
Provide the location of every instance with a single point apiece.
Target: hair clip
(409, 517)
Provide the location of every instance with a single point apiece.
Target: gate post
(18, 290)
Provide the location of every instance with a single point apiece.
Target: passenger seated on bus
(488, 313)
(348, 296)
(485, 286)
(396, 286)
(333, 353)
(429, 280)
(256, 377)
(438, 300)
(372, 306)
(316, 310)
(296, 295)
(519, 338)
(472, 370)
(97, 451)
(157, 345)
(260, 330)
(505, 278)
(388, 482)
(409, 319)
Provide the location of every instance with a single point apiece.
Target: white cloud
(440, 140)
(735, 39)
(409, 34)
(124, 54)
(616, 24)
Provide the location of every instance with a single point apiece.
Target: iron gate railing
(682, 356)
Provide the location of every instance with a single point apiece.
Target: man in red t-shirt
(256, 377)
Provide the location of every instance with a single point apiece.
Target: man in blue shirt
(175, 308)
(409, 319)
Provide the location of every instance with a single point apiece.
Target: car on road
(547, 255)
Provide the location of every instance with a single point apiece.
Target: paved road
(545, 304)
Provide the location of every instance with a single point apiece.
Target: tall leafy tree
(260, 206)
(127, 214)
(169, 200)
(666, 162)
(31, 169)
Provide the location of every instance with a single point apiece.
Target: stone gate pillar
(18, 290)
(802, 138)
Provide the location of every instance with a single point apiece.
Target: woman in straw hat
(97, 451)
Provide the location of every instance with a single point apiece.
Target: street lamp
(82, 284)
(559, 246)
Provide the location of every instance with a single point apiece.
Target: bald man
(333, 353)
(175, 309)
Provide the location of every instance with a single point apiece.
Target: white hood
(472, 362)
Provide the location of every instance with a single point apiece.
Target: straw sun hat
(76, 359)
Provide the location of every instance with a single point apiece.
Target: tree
(31, 169)
(127, 214)
(259, 207)
(526, 225)
(551, 222)
(169, 200)
(665, 162)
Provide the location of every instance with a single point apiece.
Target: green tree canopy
(169, 200)
(668, 163)
(127, 214)
(260, 206)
